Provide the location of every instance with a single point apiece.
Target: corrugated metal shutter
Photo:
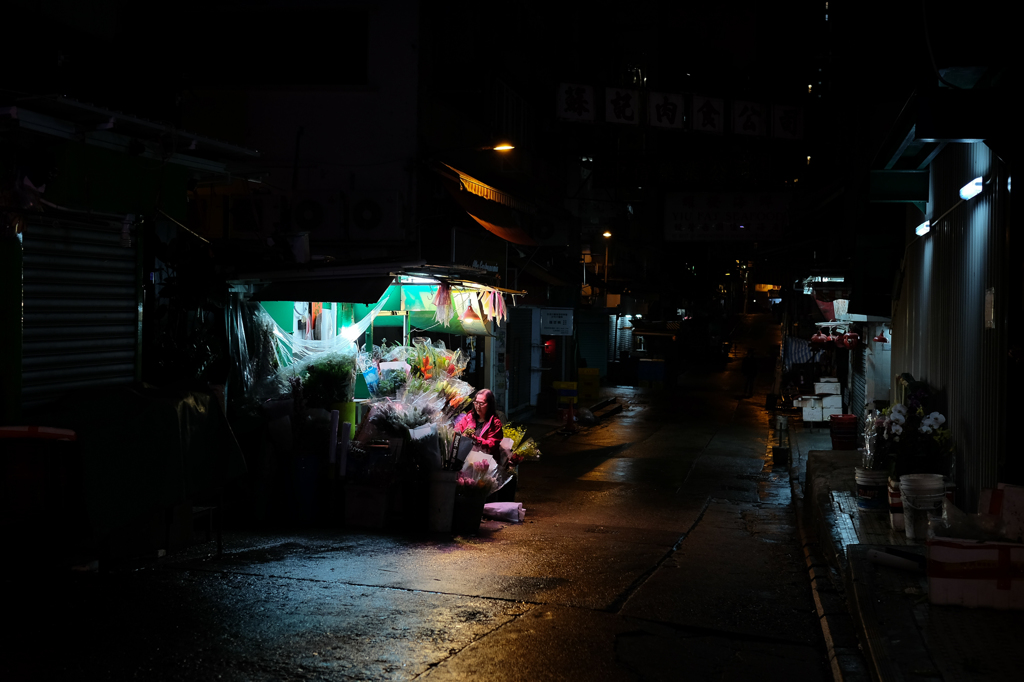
(858, 382)
(519, 347)
(81, 311)
(939, 333)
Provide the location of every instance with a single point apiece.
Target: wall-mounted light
(923, 228)
(972, 189)
(606, 233)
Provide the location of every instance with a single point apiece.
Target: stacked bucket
(844, 431)
(922, 496)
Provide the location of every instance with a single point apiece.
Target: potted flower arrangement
(910, 438)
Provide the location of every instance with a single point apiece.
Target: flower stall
(417, 429)
(406, 446)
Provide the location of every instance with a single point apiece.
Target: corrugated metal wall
(939, 333)
(81, 309)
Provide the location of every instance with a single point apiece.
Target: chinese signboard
(665, 110)
(708, 114)
(621, 106)
(556, 321)
(788, 122)
(748, 118)
(575, 102)
(725, 216)
(676, 111)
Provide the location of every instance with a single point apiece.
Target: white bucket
(442, 500)
(871, 490)
(922, 496)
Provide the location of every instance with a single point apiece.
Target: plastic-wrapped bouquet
(476, 476)
(522, 448)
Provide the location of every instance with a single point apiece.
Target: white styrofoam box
(971, 573)
(827, 412)
(828, 401)
(1007, 502)
(827, 387)
(827, 380)
(812, 414)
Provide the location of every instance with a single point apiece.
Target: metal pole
(606, 275)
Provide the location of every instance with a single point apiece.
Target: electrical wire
(197, 236)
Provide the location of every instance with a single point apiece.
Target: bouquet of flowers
(476, 476)
(522, 448)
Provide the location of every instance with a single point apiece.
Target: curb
(837, 626)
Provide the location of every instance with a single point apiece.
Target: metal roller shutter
(81, 309)
(858, 383)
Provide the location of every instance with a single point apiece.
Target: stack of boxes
(826, 401)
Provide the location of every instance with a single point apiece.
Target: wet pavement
(658, 545)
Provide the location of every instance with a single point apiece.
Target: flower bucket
(469, 508)
(442, 500)
(871, 490)
(922, 496)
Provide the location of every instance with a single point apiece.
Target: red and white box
(1006, 502)
(976, 574)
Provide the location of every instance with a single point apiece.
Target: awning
(366, 290)
(513, 234)
(498, 212)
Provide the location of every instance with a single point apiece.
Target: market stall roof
(367, 290)
(496, 211)
(314, 282)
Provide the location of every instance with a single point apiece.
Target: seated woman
(482, 424)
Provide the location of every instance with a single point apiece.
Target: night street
(658, 545)
(405, 339)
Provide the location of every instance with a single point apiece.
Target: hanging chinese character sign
(621, 106)
(788, 123)
(575, 102)
(708, 114)
(665, 110)
(748, 118)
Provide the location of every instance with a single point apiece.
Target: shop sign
(721, 216)
(556, 322)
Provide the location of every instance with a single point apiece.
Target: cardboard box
(828, 387)
(976, 574)
(1007, 502)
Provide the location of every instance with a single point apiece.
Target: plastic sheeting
(265, 357)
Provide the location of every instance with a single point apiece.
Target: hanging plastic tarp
(268, 362)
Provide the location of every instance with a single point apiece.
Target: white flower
(898, 419)
(897, 429)
(925, 429)
(900, 409)
(937, 418)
